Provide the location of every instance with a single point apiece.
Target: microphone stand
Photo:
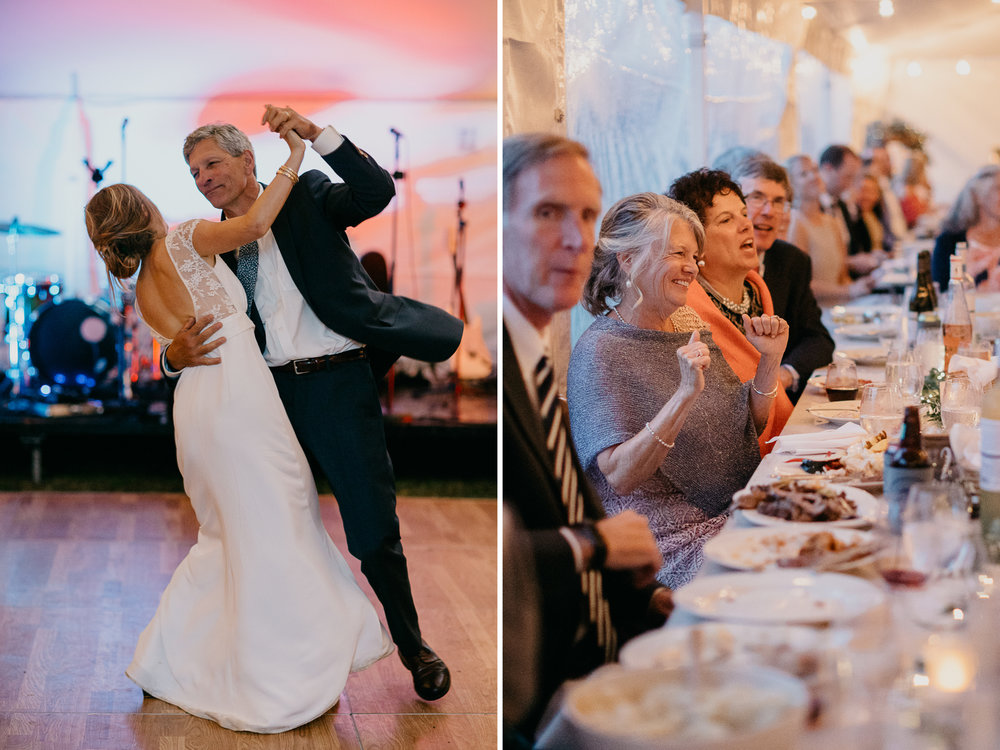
(397, 174)
(458, 262)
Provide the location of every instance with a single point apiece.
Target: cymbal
(16, 227)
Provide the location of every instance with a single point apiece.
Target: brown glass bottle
(904, 465)
(924, 297)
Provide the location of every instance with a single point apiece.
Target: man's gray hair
(526, 150)
(229, 138)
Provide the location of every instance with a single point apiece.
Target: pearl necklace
(737, 307)
(615, 311)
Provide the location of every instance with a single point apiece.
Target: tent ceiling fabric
(151, 50)
(921, 29)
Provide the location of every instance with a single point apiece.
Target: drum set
(55, 348)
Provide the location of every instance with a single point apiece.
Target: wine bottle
(956, 323)
(989, 472)
(924, 297)
(903, 466)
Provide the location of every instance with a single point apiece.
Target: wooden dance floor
(81, 573)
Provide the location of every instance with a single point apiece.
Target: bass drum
(72, 345)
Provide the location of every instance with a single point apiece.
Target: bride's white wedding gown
(263, 620)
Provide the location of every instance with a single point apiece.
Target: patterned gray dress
(619, 377)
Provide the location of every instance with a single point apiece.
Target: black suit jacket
(530, 487)
(310, 232)
(788, 274)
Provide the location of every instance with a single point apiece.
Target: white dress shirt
(292, 328)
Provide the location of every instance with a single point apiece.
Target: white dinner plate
(779, 596)
(865, 502)
(865, 357)
(866, 331)
(759, 548)
(837, 412)
(853, 314)
(793, 468)
(728, 643)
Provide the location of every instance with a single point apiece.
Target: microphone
(395, 132)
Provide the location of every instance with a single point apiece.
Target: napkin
(964, 440)
(981, 371)
(814, 442)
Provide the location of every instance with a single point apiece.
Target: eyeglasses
(756, 201)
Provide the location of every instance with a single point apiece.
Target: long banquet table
(877, 701)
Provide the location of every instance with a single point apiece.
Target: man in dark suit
(551, 202)
(327, 333)
(787, 271)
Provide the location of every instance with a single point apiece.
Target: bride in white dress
(262, 621)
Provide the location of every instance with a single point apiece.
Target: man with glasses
(787, 271)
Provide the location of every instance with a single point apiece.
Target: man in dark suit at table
(327, 333)
(595, 574)
(787, 271)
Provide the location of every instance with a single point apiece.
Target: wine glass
(931, 565)
(961, 401)
(881, 408)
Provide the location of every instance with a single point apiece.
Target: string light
(809, 12)
(963, 68)
(885, 8)
(914, 69)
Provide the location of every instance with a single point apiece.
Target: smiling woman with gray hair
(648, 439)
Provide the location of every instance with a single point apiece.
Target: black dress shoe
(431, 678)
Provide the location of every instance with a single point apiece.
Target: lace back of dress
(207, 292)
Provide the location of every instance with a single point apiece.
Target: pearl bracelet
(658, 439)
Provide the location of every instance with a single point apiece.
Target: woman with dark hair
(730, 291)
(262, 621)
(975, 220)
(657, 430)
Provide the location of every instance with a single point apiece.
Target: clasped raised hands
(768, 334)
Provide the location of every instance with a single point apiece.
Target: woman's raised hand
(768, 334)
(295, 144)
(693, 359)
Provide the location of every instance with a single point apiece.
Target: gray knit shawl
(620, 376)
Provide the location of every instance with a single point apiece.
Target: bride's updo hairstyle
(631, 228)
(119, 222)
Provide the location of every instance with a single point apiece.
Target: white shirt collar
(528, 342)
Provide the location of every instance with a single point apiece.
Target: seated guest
(787, 271)
(595, 576)
(817, 233)
(877, 163)
(840, 167)
(650, 440)
(867, 196)
(729, 286)
(975, 220)
(915, 196)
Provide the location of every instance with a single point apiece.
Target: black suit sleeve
(366, 190)
(810, 345)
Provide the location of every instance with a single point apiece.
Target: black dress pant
(337, 417)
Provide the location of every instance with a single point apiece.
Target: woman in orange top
(729, 289)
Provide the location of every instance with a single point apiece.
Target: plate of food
(782, 547)
(811, 501)
(860, 465)
(837, 412)
(854, 314)
(788, 647)
(779, 596)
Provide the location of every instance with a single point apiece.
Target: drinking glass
(961, 401)
(881, 408)
(842, 379)
(903, 370)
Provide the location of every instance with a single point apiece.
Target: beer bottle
(903, 466)
(924, 296)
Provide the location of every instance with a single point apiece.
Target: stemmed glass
(961, 401)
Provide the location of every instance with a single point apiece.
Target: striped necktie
(246, 270)
(557, 441)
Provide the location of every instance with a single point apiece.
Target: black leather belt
(315, 364)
